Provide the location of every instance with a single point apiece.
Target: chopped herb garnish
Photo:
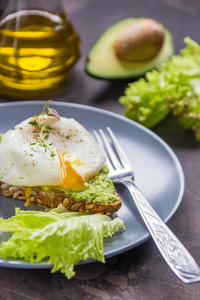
(47, 127)
(34, 124)
(51, 112)
(46, 137)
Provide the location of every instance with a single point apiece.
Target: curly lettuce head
(174, 86)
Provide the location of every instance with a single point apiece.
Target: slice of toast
(51, 198)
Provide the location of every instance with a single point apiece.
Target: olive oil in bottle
(37, 51)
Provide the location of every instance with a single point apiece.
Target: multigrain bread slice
(52, 198)
(100, 196)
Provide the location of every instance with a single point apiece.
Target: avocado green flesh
(103, 63)
(101, 189)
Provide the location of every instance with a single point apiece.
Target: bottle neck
(9, 6)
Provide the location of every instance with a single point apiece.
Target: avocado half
(103, 63)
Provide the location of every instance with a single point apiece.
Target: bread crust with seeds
(52, 198)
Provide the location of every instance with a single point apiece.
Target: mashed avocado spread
(100, 189)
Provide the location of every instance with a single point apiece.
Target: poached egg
(65, 156)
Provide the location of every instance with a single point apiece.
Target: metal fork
(172, 250)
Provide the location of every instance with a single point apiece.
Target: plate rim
(44, 265)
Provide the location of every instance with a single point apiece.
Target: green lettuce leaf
(63, 239)
(174, 86)
(144, 100)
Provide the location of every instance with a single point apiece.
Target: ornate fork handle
(172, 250)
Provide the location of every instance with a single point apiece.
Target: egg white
(23, 162)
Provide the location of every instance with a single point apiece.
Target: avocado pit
(140, 41)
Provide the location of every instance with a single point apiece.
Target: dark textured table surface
(141, 273)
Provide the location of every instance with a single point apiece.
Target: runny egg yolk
(28, 192)
(71, 179)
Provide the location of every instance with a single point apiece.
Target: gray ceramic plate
(158, 172)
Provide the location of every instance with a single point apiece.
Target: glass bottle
(38, 47)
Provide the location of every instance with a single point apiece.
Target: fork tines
(112, 149)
